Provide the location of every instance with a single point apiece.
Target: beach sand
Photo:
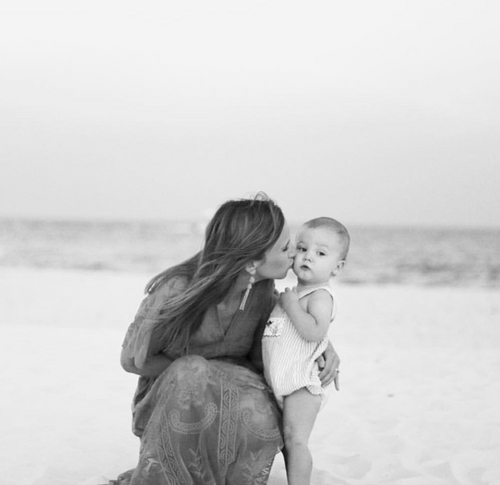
(418, 405)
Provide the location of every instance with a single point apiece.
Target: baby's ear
(338, 268)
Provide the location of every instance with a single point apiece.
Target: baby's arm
(312, 323)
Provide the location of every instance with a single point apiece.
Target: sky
(372, 112)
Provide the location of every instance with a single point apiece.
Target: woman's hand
(329, 367)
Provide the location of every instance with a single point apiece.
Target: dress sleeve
(138, 342)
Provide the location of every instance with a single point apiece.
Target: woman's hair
(241, 231)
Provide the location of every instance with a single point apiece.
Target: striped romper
(290, 360)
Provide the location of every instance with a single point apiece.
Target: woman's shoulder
(154, 299)
(174, 284)
(150, 309)
(171, 287)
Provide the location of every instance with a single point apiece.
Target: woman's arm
(329, 363)
(142, 353)
(153, 366)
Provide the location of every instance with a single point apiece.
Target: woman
(202, 409)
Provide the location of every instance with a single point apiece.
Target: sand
(418, 405)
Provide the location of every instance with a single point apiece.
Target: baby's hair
(335, 226)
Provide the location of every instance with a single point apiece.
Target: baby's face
(318, 255)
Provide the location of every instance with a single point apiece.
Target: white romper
(289, 359)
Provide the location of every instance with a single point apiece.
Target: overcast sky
(378, 112)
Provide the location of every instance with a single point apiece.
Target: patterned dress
(208, 418)
(290, 360)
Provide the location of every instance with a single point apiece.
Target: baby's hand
(288, 296)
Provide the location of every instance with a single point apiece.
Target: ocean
(379, 255)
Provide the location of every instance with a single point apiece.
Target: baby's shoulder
(322, 294)
(320, 298)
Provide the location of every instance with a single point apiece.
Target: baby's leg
(299, 413)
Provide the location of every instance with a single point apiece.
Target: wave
(378, 255)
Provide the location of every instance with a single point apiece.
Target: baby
(296, 336)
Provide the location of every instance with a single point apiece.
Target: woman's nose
(292, 253)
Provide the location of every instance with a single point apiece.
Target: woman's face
(278, 260)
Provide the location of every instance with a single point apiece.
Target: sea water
(378, 255)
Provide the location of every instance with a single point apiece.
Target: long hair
(241, 231)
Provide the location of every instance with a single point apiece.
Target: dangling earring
(251, 281)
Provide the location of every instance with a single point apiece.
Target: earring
(251, 281)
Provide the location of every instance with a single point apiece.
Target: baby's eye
(321, 253)
(301, 249)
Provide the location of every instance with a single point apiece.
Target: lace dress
(208, 418)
